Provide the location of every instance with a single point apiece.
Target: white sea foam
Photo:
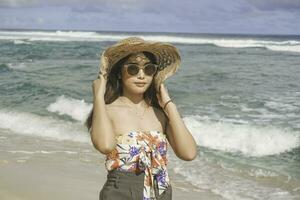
(242, 138)
(20, 65)
(41, 152)
(262, 173)
(48, 127)
(282, 106)
(229, 185)
(22, 152)
(286, 45)
(57, 36)
(21, 42)
(225, 136)
(77, 109)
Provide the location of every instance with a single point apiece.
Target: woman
(133, 117)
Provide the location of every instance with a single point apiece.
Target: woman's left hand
(162, 95)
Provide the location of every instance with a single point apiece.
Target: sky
(188, 16)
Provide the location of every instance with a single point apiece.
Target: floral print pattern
(142, 151)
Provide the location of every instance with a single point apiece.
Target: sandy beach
(237, 94)
(36, 168)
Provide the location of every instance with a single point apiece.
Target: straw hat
(167, 56)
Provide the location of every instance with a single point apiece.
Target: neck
(136, 99)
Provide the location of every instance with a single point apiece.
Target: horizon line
(166, 32)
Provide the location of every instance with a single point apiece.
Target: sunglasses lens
(132, 69)
(150, 69)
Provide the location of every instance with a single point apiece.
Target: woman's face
(139, 83)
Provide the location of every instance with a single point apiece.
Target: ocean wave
(273, 45)
(76, 109)
(225, 136)
(20, 65)
(4, 67)
(43, 126)
(209, 176)
(282, 106)
(21, 42)
(62, 36)
(12, 66)
(246, 139)
(41, 152)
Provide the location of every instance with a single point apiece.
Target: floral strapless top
(142, 151)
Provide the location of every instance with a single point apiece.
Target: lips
(140, 84)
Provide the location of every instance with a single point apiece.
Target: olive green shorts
(122, 185)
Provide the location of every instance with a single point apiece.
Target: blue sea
(239, 95)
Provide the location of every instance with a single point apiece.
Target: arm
(179, 136)
(102, 134)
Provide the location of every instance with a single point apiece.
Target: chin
(140, 90)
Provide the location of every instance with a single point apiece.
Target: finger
(104, 75)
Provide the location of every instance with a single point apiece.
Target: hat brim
(167, 56)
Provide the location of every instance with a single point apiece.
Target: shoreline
(41, 169)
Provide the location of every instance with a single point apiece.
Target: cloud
(210, 16)
(66, 3)
(17, 3)
(33, 18)
(269, 5)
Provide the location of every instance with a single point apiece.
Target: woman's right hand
(99, 86)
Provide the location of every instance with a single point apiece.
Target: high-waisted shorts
(121, 185)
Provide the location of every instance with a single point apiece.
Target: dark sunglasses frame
(137, 69)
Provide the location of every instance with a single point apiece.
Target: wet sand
(33, 168)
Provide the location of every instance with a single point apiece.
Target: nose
(141, 73)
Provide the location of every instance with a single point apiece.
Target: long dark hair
(114, 87)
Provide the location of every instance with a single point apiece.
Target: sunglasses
(133, 69)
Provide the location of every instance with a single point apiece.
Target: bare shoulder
(112, 105)
(113, 108)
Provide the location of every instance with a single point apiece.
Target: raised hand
(99, 85)
(162, 95)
